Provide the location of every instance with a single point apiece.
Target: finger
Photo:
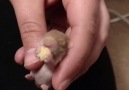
(100, 40)
(102, 35)
(30, 57)
(83, 25)
(31, 20)
(19, 56)
(31, 61)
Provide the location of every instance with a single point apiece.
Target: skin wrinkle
(31, 32)
(29, 9)
(30, 27)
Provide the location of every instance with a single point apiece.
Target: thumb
(31, 20)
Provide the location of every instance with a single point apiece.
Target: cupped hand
(88, 29)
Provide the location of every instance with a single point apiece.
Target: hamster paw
(44, 87)
(29, 76)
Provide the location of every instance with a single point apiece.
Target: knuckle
(31, 33)
(30, 27)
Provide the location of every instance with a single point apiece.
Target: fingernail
(64, 85)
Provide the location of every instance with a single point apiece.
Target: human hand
(88, 30)
(32, 24)
(89, 22)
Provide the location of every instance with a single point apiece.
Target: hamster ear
(49, 41)
(70, 45)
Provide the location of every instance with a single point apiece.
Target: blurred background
(118, 43)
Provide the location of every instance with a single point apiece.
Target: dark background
(99, 77)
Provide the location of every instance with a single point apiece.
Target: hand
(89, 22)
(88, 30)
(32, 24)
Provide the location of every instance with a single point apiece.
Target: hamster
(52, 50)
